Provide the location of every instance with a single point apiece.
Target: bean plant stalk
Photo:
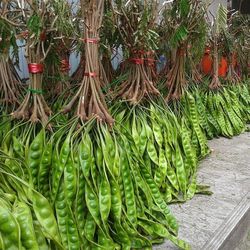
(38, 20)
(137, 21)
(176, 78)
(215, 83)
(219, 25)
(10, 86)
(232, 75)
(91, 101)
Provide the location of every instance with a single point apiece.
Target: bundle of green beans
(27, 220)
(223, 112)
(100, 192)
(108, 188)
(163, 141)
(243, 94)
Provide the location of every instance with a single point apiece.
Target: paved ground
(245, 243)
(227, 171)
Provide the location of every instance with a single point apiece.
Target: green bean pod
(180, 171)
(44, 170)
(45, 216)
(35, 152)
(173, 226)
(63, 158)
(70, 181)
(128, 188)
(92, 203)
(90, 227)
(104, 198)
(86, 156)
(9, 230)
(152, 152)
(25, 221)
(62, 214)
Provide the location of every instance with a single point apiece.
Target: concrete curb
(233, 230)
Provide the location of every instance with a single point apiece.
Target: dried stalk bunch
(109, 43)
(237, 45)
(39, 23)
(136, 22)
(195, 74)
(10, 84)
(218, 27)
(57, 61)
(232, 75)
(215, 82)
(106, 70)
(90, 98)
(36, 19)
(181, 23)
(150, 66)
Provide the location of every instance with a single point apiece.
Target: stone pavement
(227, 171)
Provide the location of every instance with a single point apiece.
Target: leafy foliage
(221, 19)
(34, 24)
(136, 22)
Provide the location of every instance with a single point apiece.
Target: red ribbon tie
(35, 68)
(137, 61)
(91, 40)
(90, 74)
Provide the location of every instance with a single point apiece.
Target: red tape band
(35, 68)
(90, 74)
(91, 40)
(138, 61)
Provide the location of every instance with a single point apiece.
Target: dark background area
(242, 5)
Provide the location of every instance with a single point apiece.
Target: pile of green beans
(91, 186)
(100, 192)
(224, 112)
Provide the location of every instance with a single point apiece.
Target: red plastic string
(91, 40)
(90, 74)
(35, 68)
(137, 61)
(65, 65)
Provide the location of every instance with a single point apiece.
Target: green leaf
(34, 24)
(184, 7)
(179, 36)
(221, 18)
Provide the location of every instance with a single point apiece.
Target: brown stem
(215, 83)
(91, 101)
(176, 79)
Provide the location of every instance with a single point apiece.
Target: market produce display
(93, 160)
